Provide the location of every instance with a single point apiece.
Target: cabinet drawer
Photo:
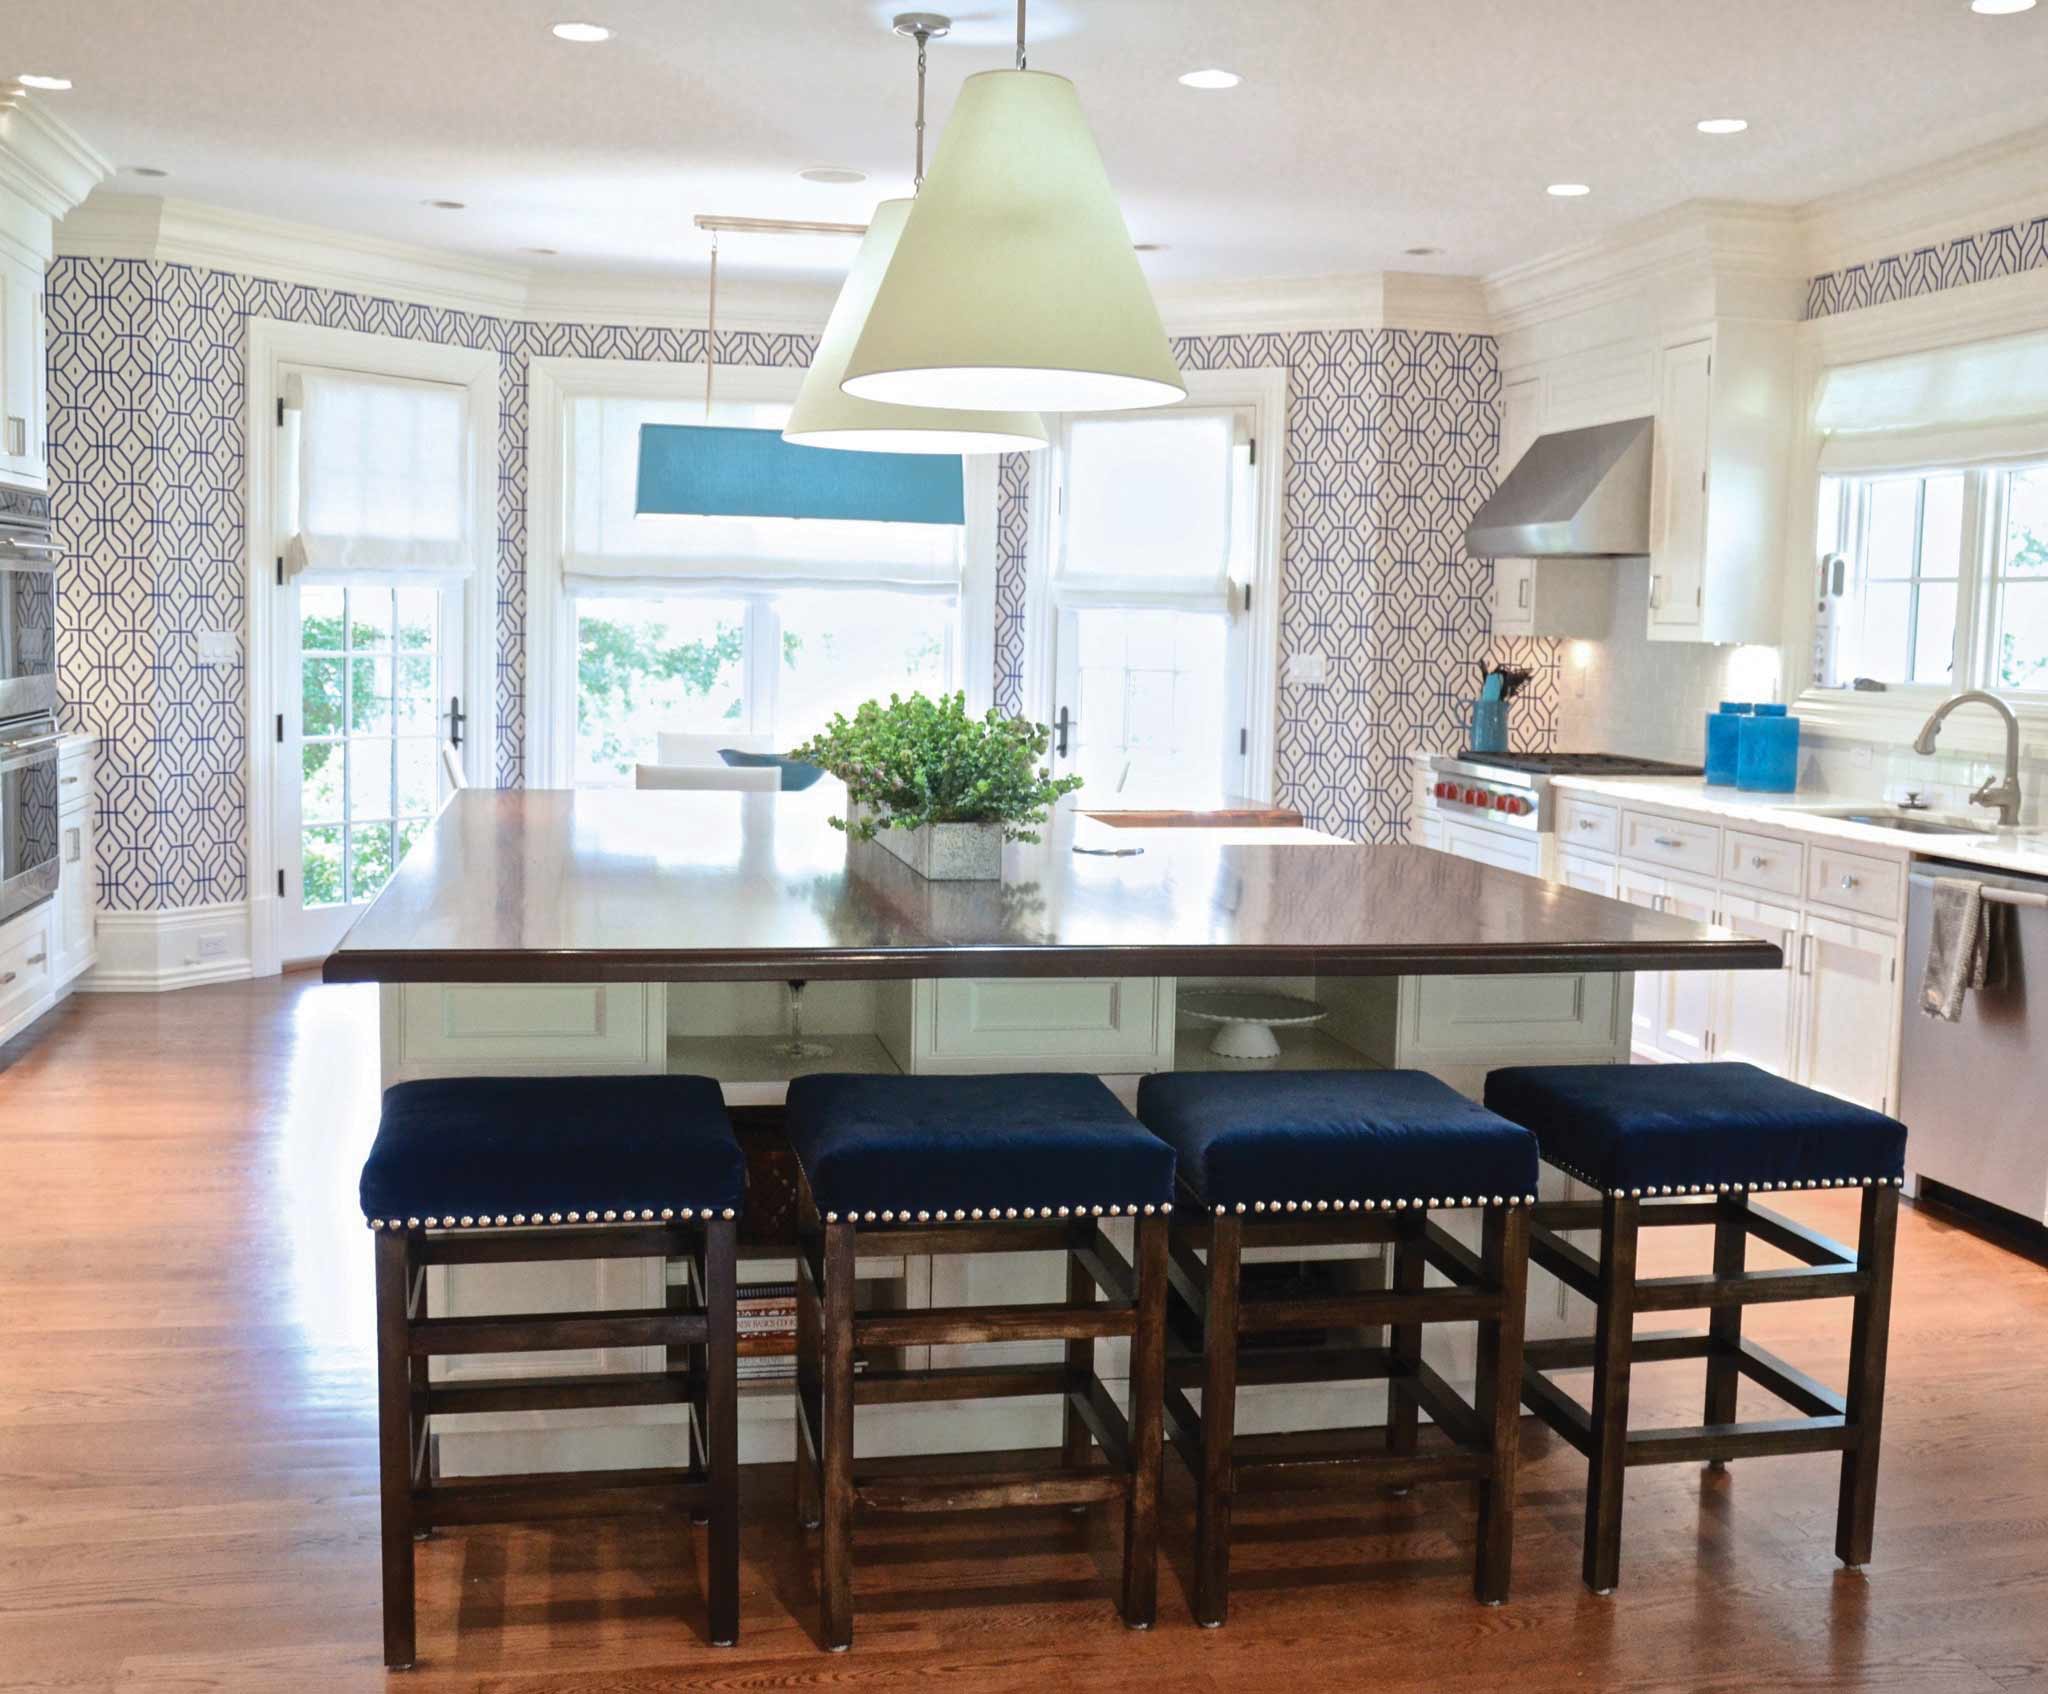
(1101, 1019)
(1763, 862)
(27, 950)
(74, 782)
(1687, 846)
(1854, 882)
(486, 1029)
(1595, 876)
(1586, 827)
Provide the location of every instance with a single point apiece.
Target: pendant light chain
(1021, 64)
(923, 37)
(710, 326)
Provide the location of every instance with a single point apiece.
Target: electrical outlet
(218, 647)
(213, 946)
(1306, 670)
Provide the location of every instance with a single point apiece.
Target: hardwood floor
(188, 1484)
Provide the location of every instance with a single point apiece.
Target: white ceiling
(1363, 127)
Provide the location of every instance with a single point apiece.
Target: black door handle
(457, 717)
(1060, 746)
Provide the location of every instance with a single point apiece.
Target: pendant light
(1014, 283)
(824, 414)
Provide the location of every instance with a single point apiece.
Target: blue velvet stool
(528, 1170)
(1691, 1144)
(1312, 1158)
(964, 1165)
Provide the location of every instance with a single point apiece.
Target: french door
(373, 688)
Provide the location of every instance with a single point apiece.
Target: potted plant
(938, 788)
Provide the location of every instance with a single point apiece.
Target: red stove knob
(1520, 806)
(1502, 803)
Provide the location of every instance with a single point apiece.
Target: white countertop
(2024, 850)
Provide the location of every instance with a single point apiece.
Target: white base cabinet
(45, 950)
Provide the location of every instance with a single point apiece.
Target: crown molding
(2004, 182)
(185, 232)
(1284, 305)
(45, 161)
(1702, 259)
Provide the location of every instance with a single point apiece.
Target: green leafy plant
(919, 761)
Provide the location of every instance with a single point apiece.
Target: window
(1935, 578)
(1154, 553)
(756, 628)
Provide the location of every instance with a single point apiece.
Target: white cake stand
(1246, 1019)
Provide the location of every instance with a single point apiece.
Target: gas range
(1512, 790)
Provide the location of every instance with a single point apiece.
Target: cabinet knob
(1851, 882)
(1757, 861)
(1667, 841)
(1587, 823)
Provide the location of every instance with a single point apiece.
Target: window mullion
(1974, 612)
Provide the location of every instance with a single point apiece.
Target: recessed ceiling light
(1568, 190)
(1211, 78)
(445, 205)
(833, 174)
(1989, 8)
(1423, 252)
(143, 170)
(1722, 126)
(584, 34)
(50, 84)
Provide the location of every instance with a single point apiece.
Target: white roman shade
(379, 483)
(609, 547)
(1151, 514)
(1979, 404)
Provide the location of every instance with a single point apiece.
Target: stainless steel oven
(28, 609)
(28, 814)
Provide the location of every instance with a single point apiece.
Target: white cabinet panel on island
(485, 1029)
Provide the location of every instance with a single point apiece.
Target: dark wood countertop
(553, 886)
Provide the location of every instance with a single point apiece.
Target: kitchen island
(584, 933)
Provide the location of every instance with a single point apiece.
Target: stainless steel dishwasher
(1974, 1094)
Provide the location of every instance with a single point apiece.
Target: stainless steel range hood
(1578, 494)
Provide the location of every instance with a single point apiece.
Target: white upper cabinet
(24, 376)
(1723, 461)
(1547, 597)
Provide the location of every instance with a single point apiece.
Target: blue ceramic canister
(1724, 739)
(1767, 755)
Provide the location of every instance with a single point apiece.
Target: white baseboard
(179, 947)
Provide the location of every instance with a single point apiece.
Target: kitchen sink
(1910, 823)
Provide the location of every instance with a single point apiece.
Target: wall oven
(28, 814)
(28, 609)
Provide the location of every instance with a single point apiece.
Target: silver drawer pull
(1849, 882)
(1667, 841)
(1757, 861)
(9, 977)
(1588, 823)
(67, 782)
(37, 959)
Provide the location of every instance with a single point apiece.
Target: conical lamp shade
(1014, 285)
(826, 416)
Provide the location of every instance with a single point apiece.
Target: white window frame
(551, 385)
(1985, 311)
(1261, 390)
(273, 345)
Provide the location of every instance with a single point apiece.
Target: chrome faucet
(2004, 795)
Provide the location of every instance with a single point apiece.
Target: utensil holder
(1489, 726)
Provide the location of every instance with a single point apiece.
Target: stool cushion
(1633, 1128)
(1247, 1138)
(899, 1146)
(494, 1149)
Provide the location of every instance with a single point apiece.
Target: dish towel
(1959, 951)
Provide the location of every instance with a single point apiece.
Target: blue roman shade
(709, 471)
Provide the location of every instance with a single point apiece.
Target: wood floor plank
(188, 1490)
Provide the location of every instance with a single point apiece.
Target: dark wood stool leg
(1217, 1481)
(1504, 1256)
(836, 1438)
(721, 1428)
(1146, 1423)
(1724, 1323)
(1404, 1340)
(809, 1362)
(1077, 1443)
(394, 1442)
(1614, 1334)
(695, 1361)
(1869, 1341)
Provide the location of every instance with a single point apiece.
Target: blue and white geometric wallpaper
(2007, 250)
(1392, 436)
(147, 363)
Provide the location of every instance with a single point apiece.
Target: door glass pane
(321, 862)
(643, 666)
(370, 859)
(1153, 699)
(320, 620)
(320, 791)
(840, 649)
(419, 777)
(369, 692)
(369, 778)
(321, 691)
